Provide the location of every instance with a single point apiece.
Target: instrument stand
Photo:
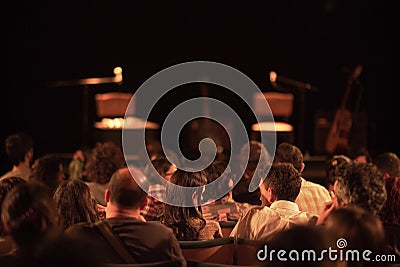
(86, 82)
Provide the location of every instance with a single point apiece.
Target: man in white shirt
(278, 211)
(312, 196)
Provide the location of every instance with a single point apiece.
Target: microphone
(356, 73)
(274, 78)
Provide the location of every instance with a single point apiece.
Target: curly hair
(285, 181)
(30, 213)
(104, 159)
(75, 202)
(6, 185)
(360, 184)
(185, 222)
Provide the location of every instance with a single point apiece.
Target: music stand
(86, 82)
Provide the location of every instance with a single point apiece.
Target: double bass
(338, 137)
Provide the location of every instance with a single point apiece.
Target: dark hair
(104, 159)
(6, 185)
(332, 163)
(388, 163)
(390, 211)
(286, 152)
(213, 172)
(75, 202)
(362, 185)
(124, 189)
(284, 180)
(17, 145)
(161, 165)
(30, 214)
(360, 230)
(46, 170)
(185, 222)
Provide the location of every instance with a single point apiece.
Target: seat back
(168, 263)
(218, 250)
(227, 227)
(245, 252)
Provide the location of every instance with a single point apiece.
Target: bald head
(124, 190)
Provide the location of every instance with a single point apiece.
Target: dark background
(319, 42)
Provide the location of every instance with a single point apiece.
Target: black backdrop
(319, 42)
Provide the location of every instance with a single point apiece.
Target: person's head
(162, 167)
(360, 184)
(358, 229)
(300, 238)
(283, 182)
(388, 163)
(19, 148)
(251, 155)
(218, 170)
(104, 159)
(331, 164)
(179, 218)
(6, 185)
(48, 170)
(29, 215)
(123, 190)
(286, 152)
(360, 154)
(75, 202)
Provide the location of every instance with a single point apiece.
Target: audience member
(75, 203)
(312, 196)
(357, 184)
(360, 154)
(307, 241)
(358, 230)
(331, 164)
(29, 215)
(187, 222)
(389, 164)
(156, 194)
(49, 171)
(279, 211)
(146, 241)
(224, 208)
(104, 159)
(7, 245)
(250, 156)
(19, 150)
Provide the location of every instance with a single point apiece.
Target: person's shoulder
(77, 227)
(310, 184)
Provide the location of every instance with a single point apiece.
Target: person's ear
(303, 165)
(107, 195)
(271, 197)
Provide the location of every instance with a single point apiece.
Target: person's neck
(22, 166)
(115, 211)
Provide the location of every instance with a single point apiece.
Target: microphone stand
(117, 79)
(302, 88)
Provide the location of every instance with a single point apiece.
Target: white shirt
(259, 223)
(312, 197)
